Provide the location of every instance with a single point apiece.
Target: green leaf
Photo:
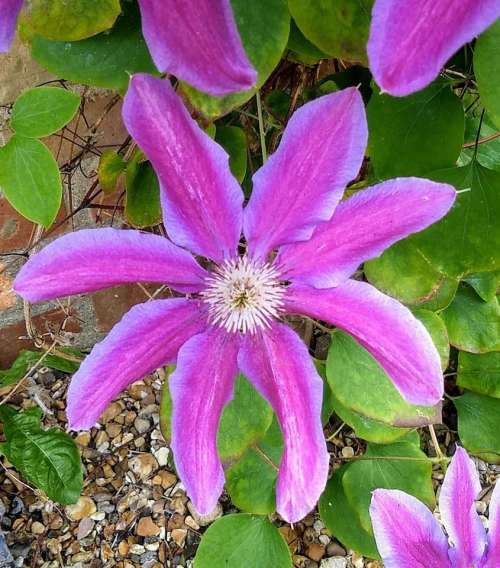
(30, 179)
(302, 49)
(362, 386)
(342, 519)
(242, 541)
(413, 477)
(437, 330)
(479, 424)
(78, 19)
(480, 373)
(367, 428)
(473, 324)
(234, 141)
(27, 359)
(338, 28)
(105, 60)
(485, 284)
(487, 154)
(47, 458)
(244, 421)
(142, 197)
(404, 273)
(487, 70)
(251, 481)
(416, 134)
(42, 111)
(264, 26)
(111, 166)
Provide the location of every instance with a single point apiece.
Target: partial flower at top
(408, 535)
(411, 40)
(195, 40)
(233, 317)
(9, 11)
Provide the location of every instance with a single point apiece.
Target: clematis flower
(411, 40)
(195, 40)
(233, 315)
(408, 535)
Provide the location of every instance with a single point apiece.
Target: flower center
(243, 295)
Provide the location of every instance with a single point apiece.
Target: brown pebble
(146, 527)
(334, 549)
(85, 507)
(179, 537)
(315, 551)
(37, 528)
(123, 548)
(111, 412)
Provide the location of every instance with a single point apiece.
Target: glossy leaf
(338, 28)
(412, 476)
(487, 70)
(30, 179)
(105, 60)
(242, 541)
(480, 373)
(485, 284)
(27, 359)
(47, 458)
(244, 421)
(302, 49)
(234, 141)
(264, 27)
(416, 134)
(342, 518)
(473, 324)
(437, 329)
(251, 481)
(142, 197)
(479, 424)
(361, 385)
(42, 111)
(111, 166)
(75, 20)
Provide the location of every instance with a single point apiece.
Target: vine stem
(440, 457)
(261, 128)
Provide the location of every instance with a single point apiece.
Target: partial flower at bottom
(233, 315)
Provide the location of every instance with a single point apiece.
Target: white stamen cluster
(243, 295)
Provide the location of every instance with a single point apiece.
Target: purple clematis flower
(408, 535)
(232, 317)
(411, 40)
(195, 40)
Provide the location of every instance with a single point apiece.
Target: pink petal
(384, 327)
(91, 259)
(406, 532)
(201, 199)
(198, 42)
(9, 10)
(493, 557)
(457, 506)
(148, 336)
(300, 185)
(362, 227)
(279, 366)
(411, 40)
(200, 387)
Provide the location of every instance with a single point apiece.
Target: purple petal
(457, 506)
(300, 185)
(362, 227)
(386, 328)
(279, 366)
(92, 259)
(198, 42)
(493, 557)
(147, 337)
(411, 40)
(9, 10)
(200, 387)
(202, 201)
(406, 532)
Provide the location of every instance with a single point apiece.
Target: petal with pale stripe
(9, 11)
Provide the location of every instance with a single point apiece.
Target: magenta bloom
(195, 40)
(409, 536)
(411, 40)
(232, 318)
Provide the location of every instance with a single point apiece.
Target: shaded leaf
(111, 166)
(437, 330)
(234, 141)
(142, 196)
(487, 70)
(480, 373)
(302, 49)
(485, 284)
